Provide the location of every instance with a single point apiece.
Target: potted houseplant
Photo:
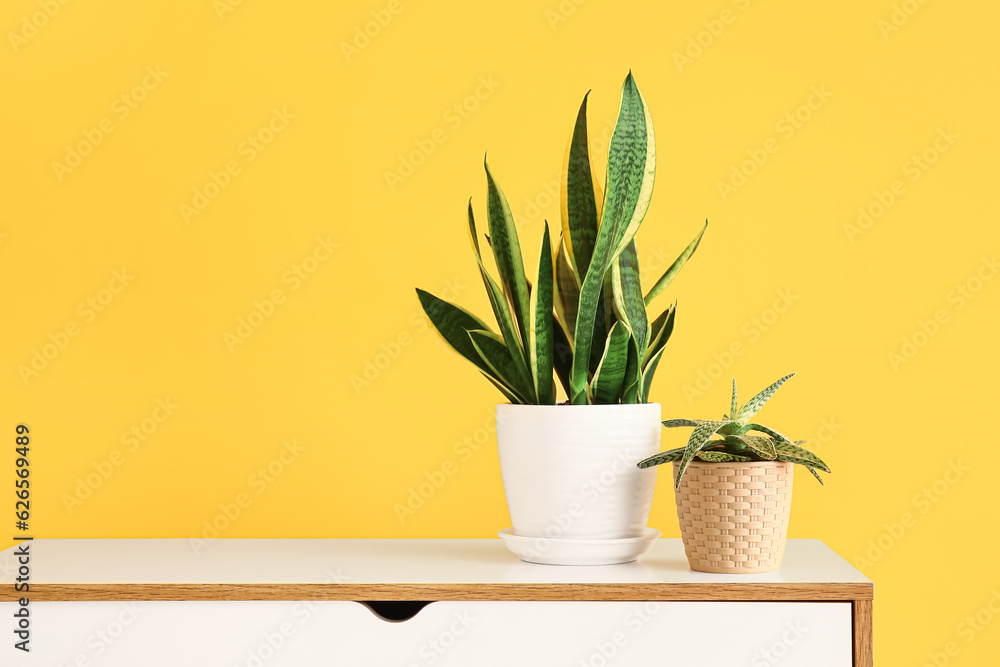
(734, 492)
(573, 492)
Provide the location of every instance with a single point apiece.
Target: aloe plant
(735, 441)
(584, 319)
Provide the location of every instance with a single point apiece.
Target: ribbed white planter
(569, 471)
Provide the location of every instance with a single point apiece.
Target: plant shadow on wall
(582, 322)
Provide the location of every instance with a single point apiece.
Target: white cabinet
(277, 603)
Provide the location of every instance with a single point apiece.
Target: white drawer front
(460, 634)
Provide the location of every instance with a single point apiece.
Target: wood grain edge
(864, 644)
(786, 592)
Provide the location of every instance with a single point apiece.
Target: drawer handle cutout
(395, 611)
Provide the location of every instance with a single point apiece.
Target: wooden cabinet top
(397, 569)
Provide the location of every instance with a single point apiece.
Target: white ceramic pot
(569, 471)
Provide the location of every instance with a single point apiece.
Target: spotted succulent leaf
(762, 448)
(699, 438)
(721, 457)
(800, 454)
(776, 435)
(674, 423)
(758, 401)
(662, 457)
(733, 409)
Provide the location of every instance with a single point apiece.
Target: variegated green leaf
(675, 423)
(492, 350)
(789, 458)
(815, 474)
(660, 330)
(647, 375)
(631, 166)
(758, 401)
(662, 457)
(721, 457)
(507, 252)
(580, 196)
(631, 383)
(733, 410)
(675, 268)
(699, 438)
(606, 384)
(731, 427)
(567, 290)
(629, 304)
(762, 448)
(629, 185)
(541, 335)
(801, 454)
(506, 391)
(604, 320)
(454, 323)
(562, 353)
(501, 308)
(776, 435)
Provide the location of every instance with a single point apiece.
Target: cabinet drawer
(467, 634)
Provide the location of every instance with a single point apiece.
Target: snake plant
(584, 319)
(735, 442)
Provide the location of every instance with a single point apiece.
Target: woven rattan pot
(734, 516)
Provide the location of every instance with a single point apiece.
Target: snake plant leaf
(675, 268)
(801, 455)
(581, 197)
(675, 423)
(631, 384)
(762, 448)
(776, 435)
(699, 438)
(492, 350)
(629, 186)
(758, 401)
(629, 305)
(721, 457)
(733, 410)
(567, 289)
(562, 353)
(501, 308)
(661, 329)
(604, 319)
(662, 457)
(647, 375)
(454, 323)
(606, 385)
(540, 334)
(507, 252)
(631, 166)
(656, 326)
(507, 392)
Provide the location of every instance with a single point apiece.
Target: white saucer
(559, 551)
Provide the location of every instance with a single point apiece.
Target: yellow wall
(305, 225)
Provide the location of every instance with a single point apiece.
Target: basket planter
(734, 516)
(569, 470)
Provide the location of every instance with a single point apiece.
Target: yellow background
(888, 430)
